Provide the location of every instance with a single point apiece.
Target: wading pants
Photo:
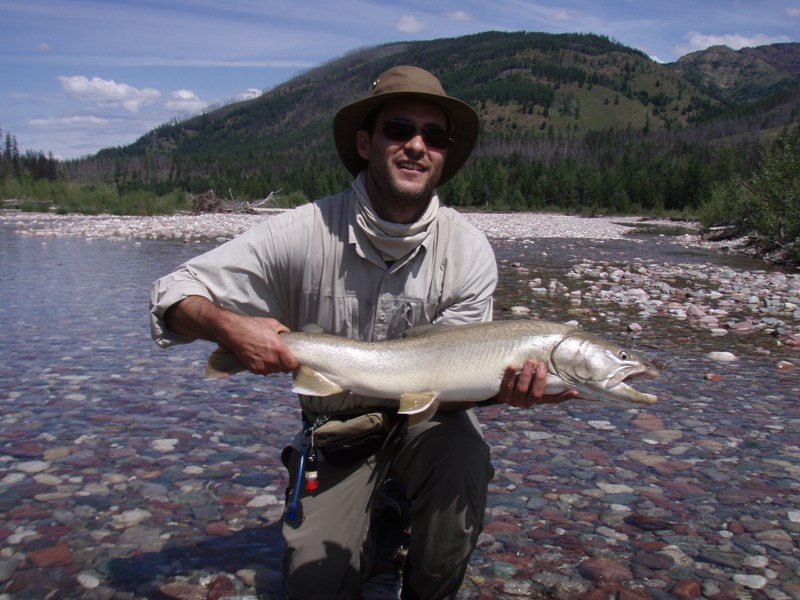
(445, 467)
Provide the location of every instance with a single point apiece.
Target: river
(126, 474)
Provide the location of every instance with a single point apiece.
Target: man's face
(402, 174)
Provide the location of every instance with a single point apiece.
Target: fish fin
(313, 383)
(221, 363)
(424, 416)
(420, 408)
(312, 328)
(411, 404)
(555, 385)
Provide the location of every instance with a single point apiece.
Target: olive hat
(407, 82)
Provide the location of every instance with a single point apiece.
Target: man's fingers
(526, 376)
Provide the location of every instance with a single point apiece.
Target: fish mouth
(627, 394)
(619, 384)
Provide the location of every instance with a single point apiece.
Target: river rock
(604, 569)
(654, 560)
(52, 556)
(88, 581)
(33, 466)
(165, 445)
(685, 589)
(648, 422)
(753, 582)
(7, 568)
(130, 518)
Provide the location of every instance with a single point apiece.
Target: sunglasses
(402, 131)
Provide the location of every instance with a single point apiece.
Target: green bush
(768, 205)
(725, 207)
(775, 192)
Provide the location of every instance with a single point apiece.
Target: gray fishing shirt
(313, 264)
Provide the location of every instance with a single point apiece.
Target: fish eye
(623, 355)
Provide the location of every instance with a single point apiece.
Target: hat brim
(464, 126)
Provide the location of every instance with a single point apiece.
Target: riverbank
(223, 226)
(767, 300)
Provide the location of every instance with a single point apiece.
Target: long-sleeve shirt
(313, 264)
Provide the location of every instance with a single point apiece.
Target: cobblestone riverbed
(124, 474)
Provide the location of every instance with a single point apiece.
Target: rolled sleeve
(247, 275)
(165, 292)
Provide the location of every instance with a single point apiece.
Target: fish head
(601, 370)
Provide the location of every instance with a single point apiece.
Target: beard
(404, 193)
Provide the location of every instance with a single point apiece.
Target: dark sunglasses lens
(399, 131)
(436, 138)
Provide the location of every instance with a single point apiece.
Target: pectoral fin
(312, 383)
(419, 407)
(221, 363)
(411, 404)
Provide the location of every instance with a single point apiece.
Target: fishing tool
(307, 474)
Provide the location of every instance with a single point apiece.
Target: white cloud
(68, 122)
(105, 92)
(793, 12)
(458, 15)
(185, 101)
(700, 41)
(410, 24)
(564, 16)
(248, 94)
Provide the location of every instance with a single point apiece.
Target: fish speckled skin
(438, 363)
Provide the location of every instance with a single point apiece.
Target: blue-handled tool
(291, 514)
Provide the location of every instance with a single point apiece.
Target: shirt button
(383, 317)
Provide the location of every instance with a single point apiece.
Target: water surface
(83, 386)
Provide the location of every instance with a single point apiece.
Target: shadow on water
(256, 549)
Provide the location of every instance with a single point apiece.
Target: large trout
(441, 363)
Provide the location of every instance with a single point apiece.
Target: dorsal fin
(312, 328)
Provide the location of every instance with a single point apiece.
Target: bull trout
(445, 363)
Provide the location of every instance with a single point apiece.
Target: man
(367, 263)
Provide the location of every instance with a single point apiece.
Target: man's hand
(255, 341)
(526, 388)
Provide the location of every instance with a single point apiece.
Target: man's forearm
(198, 318)
(255, 341)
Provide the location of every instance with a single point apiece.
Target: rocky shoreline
(220, 227)
(223, 226)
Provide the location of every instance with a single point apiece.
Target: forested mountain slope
(574, 121)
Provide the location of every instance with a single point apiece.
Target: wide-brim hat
(407, 82)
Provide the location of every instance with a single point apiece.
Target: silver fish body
(438, 363)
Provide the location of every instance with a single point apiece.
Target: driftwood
(723, 233)
(210, 202)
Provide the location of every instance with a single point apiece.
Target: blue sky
(80, 75)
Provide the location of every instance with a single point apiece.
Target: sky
(77, 76)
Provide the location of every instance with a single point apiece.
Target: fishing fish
(447, 363)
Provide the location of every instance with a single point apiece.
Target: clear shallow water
(75, 331)
(79, 308)
(83, 387)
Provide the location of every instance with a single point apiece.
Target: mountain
(739, 77)
(575, 118)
